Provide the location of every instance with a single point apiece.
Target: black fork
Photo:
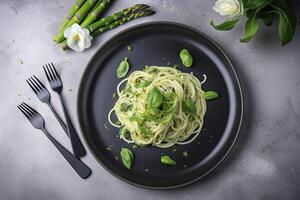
(57, 86)
(44, 96)
(38, 122)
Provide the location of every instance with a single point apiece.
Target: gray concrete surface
(264, 164)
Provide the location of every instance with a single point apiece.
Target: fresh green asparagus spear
(95, 6)
(119, 22)
(71, 12)
(77, 18)
(92, 16)
(108, 20)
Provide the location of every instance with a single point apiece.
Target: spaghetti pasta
(176, 117)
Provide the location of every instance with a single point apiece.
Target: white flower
(229, 7)
(78, 38)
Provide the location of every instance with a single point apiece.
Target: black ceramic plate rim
(235, 76)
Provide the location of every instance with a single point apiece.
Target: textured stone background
(264, 164)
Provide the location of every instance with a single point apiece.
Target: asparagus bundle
(122, 20)
(85, 13)
(72, 12)
(77, 18)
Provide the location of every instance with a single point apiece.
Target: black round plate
(159, 43)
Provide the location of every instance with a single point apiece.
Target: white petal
(73, 44)
(67, 32)
(78, 38)
(88, 38)
(87, 43)
(81, 42)
(87, 33)
(76, 27)
(228, 7)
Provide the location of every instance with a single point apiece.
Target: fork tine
(33, 84)
(29, 113)
(29, 107)
(48, 77)
(35, 91)
(23, 111)
(57, 75)
(36, 83)
(52, 71)
(40, 83)
(49, 72)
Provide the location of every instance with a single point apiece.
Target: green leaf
(189, 107)
(251, 27)
(287, 24)
(127, 157)
(226, 25)
(186, 58)
(167, 160)
(123, 68)
(143, 84)
(208, 95)
(254, 4)
(154, 98)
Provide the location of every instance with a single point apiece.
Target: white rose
(78, 38)
(229, 7)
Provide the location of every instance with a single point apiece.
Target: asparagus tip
(142, 6)
(149, 12)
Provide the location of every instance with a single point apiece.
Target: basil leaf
(251, 27)
(287, 24)
(208, 95)
(167, 160)
(154, 98)
(143, 84)
(127, 157)
(254, 4)
(186, 58)
(226, 25)
(123, 68)
(189, 107)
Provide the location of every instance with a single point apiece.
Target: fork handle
(61, 122)
(82, 170)
(77, 146)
